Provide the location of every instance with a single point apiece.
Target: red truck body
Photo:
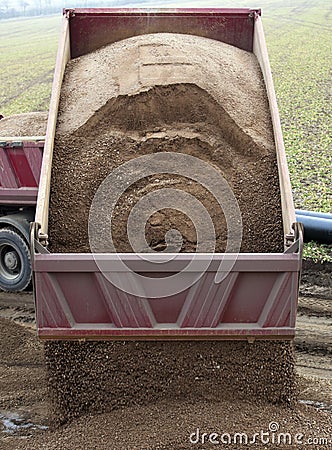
(20, 164)
(257, 297)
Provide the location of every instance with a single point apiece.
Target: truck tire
(15, 264)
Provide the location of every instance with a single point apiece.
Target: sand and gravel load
(25, 124)
(165, 93)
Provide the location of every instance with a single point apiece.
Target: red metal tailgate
(75, 299)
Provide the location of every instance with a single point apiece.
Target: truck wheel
(15, 265)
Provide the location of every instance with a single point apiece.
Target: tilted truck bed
(255, 298)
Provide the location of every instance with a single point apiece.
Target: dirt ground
(167, 424)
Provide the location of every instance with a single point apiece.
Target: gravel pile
(119, 103)
(180, 426)
(25, 124)
(166, 422)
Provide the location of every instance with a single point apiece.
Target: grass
(27, 58)
(300, 58)
(318, 252)
(299, 41)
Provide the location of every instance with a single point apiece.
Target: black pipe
(302, 212)
(317, 226)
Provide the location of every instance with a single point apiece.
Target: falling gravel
(102, 376)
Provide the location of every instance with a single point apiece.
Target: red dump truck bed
(86, 296)
(20, 164)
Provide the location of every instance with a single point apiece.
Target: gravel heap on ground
(25, 124)
(169, 426)
(167, 423)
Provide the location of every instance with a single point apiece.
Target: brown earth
(161, 420)
(23, 386)
(25, 124)
(197, 103)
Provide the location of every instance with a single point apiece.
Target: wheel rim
(10, 262)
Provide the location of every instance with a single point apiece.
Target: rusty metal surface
(257, 298)
(96, 27)
(20, 164)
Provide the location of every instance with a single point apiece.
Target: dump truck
(105, 313)
(255, 297)
(135, 326)
(20, 164)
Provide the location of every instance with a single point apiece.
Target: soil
(153, 94)
(162, 420)
(316, 280)
(26, 124)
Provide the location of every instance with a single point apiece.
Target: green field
(299, 37)
(27, 57)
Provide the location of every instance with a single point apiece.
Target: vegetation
(301, 62)
(318, 253)
(299, 42)
(27, 59)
